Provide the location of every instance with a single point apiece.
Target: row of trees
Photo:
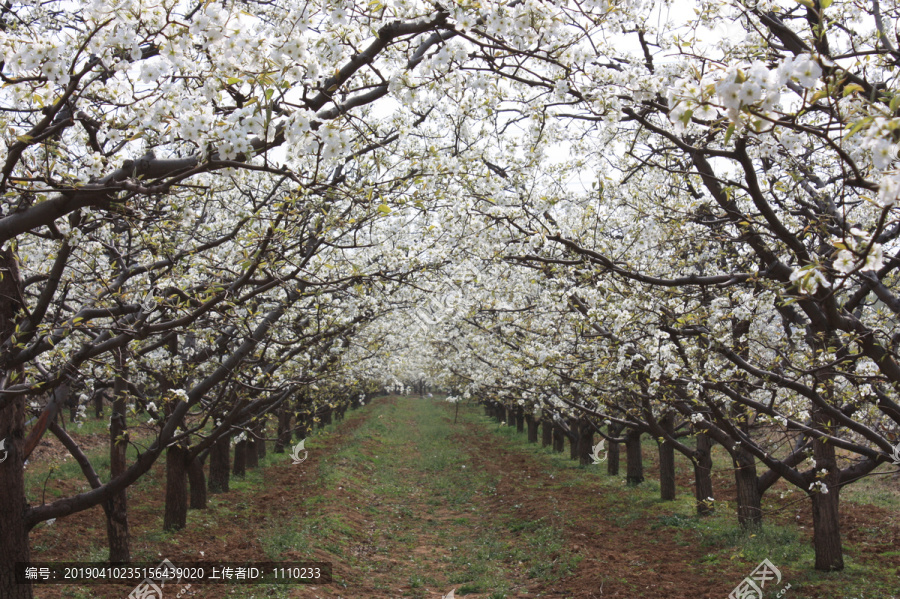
(715, 246)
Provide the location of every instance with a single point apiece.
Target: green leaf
(859, 125)
(853, 87)
(729, 133)
(384, 209)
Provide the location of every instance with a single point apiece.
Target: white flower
(819, 487)
(875, 259)
(845, 262)
(809, 279)
(807, 71)
(730, 94)
(750, 92)
(883, 153)
(696, 418)
(888, 190)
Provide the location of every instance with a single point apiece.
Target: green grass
(721, 536)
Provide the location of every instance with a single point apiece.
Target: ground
(406, 498)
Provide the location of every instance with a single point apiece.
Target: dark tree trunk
(488, 410)
(585, 442)
(284, 430)
(307, 428)
(573, 440)
(749, 499)
(827, 530)
(500, 413)
(117, 506)
(219, 467)
(175, 515)
(13, 533)
(546, 433)
(826, 505)
(634, 459)
(510, 416)
(532, 428)
(667, 462)
(98, 404)
(520, 419)
(703, 489)
(198, 484)
(559, 439)
(259, 440)
(326, 417)
(240, 459)
(612, 452)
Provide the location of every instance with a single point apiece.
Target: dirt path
(433, 506)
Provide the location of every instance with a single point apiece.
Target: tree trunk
(175, 515)
(251, 453)
(826, 504)
(198, 484)
(667, 462)
(500, 413)
(219, 467)
(304, 425)
(98, 404)
(532, 428)
(634, 460)
(510, 416)
(559, 439)
(13, 533)
(326, 417)
(546, 433)
(749, 499)
(117, 510)
(612, 452)
(585, 443)
(259, 440)
(520, 419)
(703, 489)
(240, 459)
(574, 439)
(284, 430)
